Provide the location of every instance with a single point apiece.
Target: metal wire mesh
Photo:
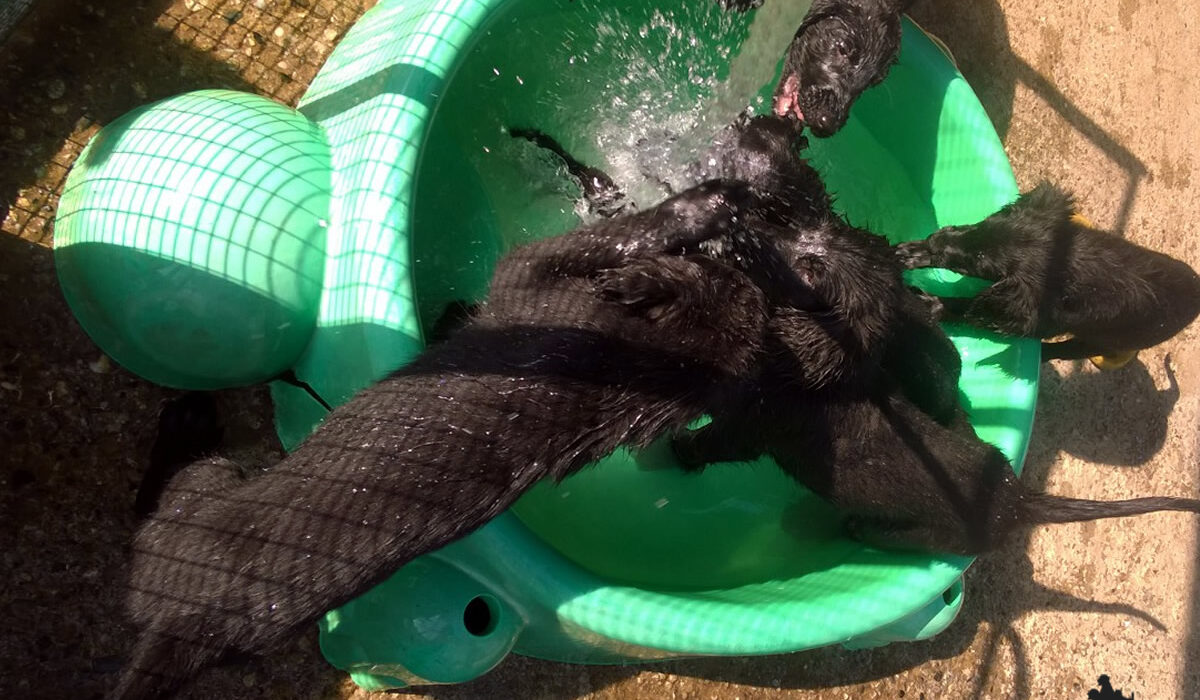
(109, 58)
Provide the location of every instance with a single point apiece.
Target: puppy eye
(842, 48)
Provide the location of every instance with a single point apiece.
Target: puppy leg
(1082, 349)
(657, 287)
(604, 198)
(719, 441)
(162, 662)
(188, 428)
(1007, 307)
(1113, 360)
(914, 254)
(907, 537)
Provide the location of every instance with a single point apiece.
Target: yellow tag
(1114, 361)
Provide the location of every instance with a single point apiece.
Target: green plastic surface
(190, 238)
(410, 193)
(631, 560)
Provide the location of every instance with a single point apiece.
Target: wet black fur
(858, 394)
(842, 48)
(188, 429)
(765, 152)
(1053, 276)
(906, 477)
(603, 197)
(603, 337)
(886, 440)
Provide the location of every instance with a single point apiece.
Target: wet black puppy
(887, 443)
(842, 48)
(880, 432)
(1052, 275)
(763, 151)
(603, 337)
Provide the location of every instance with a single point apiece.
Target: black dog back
(580, 348)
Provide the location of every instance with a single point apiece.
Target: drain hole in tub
(479, 617)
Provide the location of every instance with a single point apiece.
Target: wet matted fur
(604, 337)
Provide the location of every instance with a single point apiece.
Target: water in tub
(638, 91)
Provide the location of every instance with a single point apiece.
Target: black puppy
(600, 338)
(906, 479)
(887, 443)
(762, 151)
(1052, 275)
(842, 48)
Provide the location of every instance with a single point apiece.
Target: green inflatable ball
(190, 239)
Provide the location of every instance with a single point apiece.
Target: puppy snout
(822, 111)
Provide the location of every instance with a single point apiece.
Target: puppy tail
(1042, 508)
(161, 664)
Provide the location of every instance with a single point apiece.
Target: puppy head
(710, 209)
(849, 276)
(840, 50)
(1031, 220)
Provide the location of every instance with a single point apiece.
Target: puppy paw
(935, 307)
(1082, 220)
(687, 452)
(914, 254)
(639, 286)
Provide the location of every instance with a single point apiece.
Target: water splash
(648, 144)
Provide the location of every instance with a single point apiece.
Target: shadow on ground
(977, 36)
(999, 588)
(70, 67)
(77, 432)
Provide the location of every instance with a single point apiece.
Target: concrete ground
(1097, 96)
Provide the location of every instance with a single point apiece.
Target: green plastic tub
(217, 239)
